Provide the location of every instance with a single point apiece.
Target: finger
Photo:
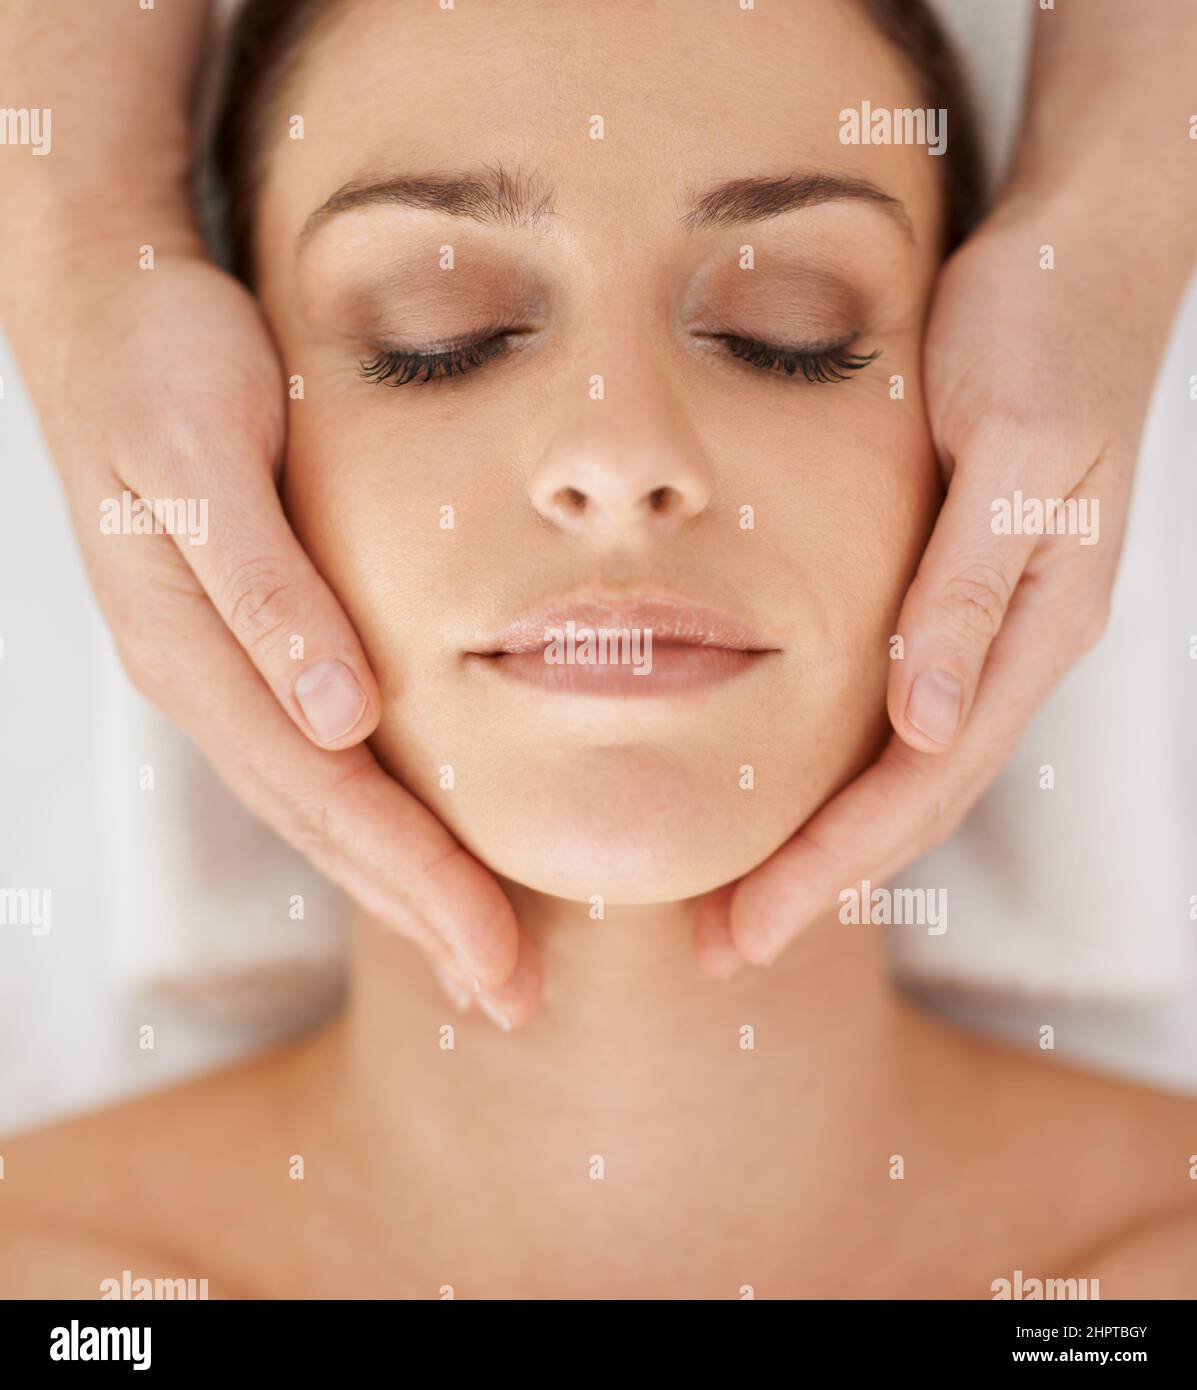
(354, 821)
(951, 614)
(909, 801)
(711, 940)
(511, 1004)
(262, 583)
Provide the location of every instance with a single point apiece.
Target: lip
(654, 645)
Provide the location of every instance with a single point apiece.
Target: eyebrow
(758, 199)
(492, 194)
(497, 196)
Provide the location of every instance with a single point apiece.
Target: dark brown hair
(915, 32)
(268, 36)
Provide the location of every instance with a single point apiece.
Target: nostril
(663, 499)
(571, 501)
(571, 506)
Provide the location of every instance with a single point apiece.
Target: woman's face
(616, 201)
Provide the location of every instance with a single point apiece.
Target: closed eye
(835, 362)
(818, 364)
(398, 367)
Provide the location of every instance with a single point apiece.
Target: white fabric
(176, 896)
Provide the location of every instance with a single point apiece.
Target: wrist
(1133, 241)
(57, 237)
(68, 262)
(1126, 178)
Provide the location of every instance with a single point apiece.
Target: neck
(641, 1089)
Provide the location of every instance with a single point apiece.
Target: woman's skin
(723, 1164)
(424, 1167)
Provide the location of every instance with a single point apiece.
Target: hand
(1037, 381)
(165, 382)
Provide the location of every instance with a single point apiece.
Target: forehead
(621, 109)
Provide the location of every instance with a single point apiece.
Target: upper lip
(672, 622)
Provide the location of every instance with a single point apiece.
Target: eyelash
(391, 367)
(824, 364)
(394, 368)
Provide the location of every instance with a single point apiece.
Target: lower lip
(674, 670)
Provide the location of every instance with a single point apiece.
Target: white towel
(211, 910)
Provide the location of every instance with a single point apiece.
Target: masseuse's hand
(1037, 383)
(164, 382)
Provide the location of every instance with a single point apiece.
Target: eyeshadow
(792, 300)
(383, 294)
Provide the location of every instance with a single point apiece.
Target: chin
(632, 826)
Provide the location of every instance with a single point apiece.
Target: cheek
(844, 503)
(404, 529)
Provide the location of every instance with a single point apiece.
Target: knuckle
(974, 602)
(322, 826)
(260, 605)
(318, 817)
(948, 814)
(946, 803)
(310, 829)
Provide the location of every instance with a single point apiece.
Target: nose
(622, 464)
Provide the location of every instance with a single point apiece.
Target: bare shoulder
(1155, 1254)
(1095, 1174)
(1129, 1151)
(62, 1197)
(126, 1191)
(1159, 1260)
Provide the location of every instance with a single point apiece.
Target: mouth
(647, 646)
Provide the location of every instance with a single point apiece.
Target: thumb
(952, 612)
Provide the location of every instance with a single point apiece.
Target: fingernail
(934, 705)
(493, 1012)
(458, 994)
(331, 699)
